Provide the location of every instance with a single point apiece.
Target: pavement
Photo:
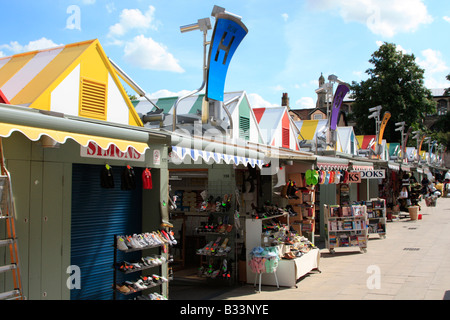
(411, 263)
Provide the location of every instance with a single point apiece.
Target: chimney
(285, 100)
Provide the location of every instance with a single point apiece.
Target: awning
(394, 166)
(405, 167)
(180, 153)
(361, 165)
(331, 163)
(37, 124)
(35, 134)
(217, 150)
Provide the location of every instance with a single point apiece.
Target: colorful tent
(244, 122)
(55, 93)
(277, 128)
(367, 141)
(75, 79)
(346, 140)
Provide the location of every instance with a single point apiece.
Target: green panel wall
(42, 191)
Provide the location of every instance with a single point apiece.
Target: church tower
(321, 93)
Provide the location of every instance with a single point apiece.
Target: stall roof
(365, 140)
(189, 110)
(273, 123)
(75, 79)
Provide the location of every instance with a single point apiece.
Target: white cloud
(256, 101)
(16, 47)
(285, 16)
(164, 93)
(446, 18)
(305, 103)
(133, 19)
(88, 2)
(382, 17)
(110, 7)
(435, 68)
(278, 87)
(433, 62)
(148, 54)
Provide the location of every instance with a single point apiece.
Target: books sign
(373, 174)
(354, 177)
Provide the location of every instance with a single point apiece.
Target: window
(93, 99)
(317, 116)
(244, 128)
(442, 107)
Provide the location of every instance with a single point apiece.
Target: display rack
(289, 271)
(346, 227)
(376, 215)
(134, 273)
(303, 203)
(218, 255)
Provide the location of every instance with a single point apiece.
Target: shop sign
(113, 152)
(373, 174)
(354, 177)
(156, 157)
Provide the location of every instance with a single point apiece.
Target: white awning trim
(180, 153)
(330, 163)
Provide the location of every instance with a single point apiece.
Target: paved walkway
(411, 263)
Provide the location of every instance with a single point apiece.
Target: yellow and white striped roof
(52, 80)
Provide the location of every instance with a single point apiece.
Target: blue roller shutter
(97, 215)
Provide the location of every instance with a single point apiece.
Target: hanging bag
(404, 193)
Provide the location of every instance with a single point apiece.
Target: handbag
(404, 193)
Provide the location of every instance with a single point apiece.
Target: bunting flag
(180, 153)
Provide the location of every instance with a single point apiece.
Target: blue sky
(289, 43)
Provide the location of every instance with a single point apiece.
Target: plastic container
(413, 212)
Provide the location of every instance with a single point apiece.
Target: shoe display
(120, 243)
(142, 241)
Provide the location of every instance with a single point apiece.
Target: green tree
(396, 83)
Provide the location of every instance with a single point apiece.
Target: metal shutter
(97, 215)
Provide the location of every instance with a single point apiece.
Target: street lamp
(401, 127)
(376, 114)
(203, 25)
(417, 135)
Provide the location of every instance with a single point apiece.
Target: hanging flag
(386, 117)
(339, 95)
(227, 35)
(420, 147)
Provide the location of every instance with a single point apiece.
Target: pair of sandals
(314, 177)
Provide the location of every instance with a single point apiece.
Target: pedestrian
(425, 183)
